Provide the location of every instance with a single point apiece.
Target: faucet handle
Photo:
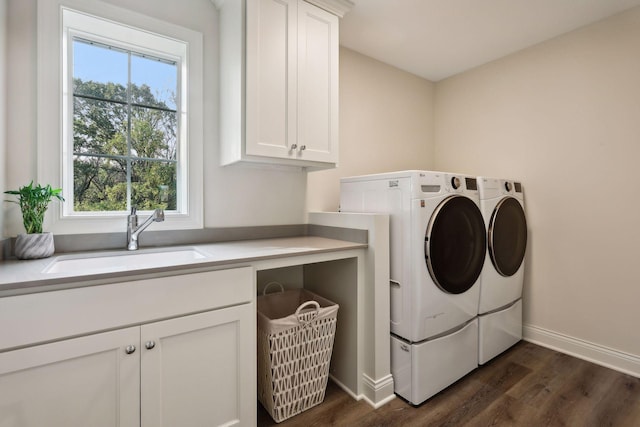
(159, 215)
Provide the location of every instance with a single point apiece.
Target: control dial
(455, 182)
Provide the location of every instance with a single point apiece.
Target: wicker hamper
(295, 339)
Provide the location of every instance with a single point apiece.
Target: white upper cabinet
(285, 110)
(317, 84)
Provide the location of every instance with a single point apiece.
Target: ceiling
(436, 39)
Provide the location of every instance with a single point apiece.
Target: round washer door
(507, 236)
(455, 244)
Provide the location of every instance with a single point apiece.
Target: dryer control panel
(490, 188)
(510, 187)
(460, 183)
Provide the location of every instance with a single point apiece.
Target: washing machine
(500, 306)
(437, 251)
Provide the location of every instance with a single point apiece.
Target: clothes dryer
(500, 307)
(437, 251)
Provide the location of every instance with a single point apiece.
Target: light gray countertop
(28, 276)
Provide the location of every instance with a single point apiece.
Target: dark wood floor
(528, 385)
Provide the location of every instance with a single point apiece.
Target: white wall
(3, 107)
(386, 124)
(564, 118)
(234, 196)
(20, 95)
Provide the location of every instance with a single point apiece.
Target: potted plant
(34, 201)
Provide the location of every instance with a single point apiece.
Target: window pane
(153, 133)
(99, 184)
(153, 185)
(153, 82)
(99, 71)
(99, 127)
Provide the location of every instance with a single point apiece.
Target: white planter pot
(34, 246)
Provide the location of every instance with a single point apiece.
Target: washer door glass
(507, 236)
(455, 244)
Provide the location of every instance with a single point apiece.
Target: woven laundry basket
(296, 330)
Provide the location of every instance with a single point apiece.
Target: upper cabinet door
(317, 84)
(271, 77)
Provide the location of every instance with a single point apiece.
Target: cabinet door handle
(130, 349)
(149, 345)
(294, 146)
(303, 147)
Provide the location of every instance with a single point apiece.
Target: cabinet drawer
(48, 316)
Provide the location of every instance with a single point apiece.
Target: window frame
(58, 22)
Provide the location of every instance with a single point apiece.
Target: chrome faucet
(133, 230)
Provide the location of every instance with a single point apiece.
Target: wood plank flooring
(528, 385)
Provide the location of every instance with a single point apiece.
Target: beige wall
(386, 124)
(564, 118)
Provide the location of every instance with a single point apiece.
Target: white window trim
(52, 93)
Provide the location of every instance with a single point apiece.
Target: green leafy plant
(34, 202)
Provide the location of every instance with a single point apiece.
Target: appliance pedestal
(498, 331)
(418, 371)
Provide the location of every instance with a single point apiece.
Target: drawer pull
(130, 349)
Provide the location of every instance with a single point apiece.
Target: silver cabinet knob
(294, 146)
(149, 345)
(130, 349)
(303, 147)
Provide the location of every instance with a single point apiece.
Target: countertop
(28, 276)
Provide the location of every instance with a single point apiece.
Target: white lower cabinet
(191, 370)
(87, 381)
(195, 369)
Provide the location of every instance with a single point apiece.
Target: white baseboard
(596, 353)
(346, 389)
(379, 392)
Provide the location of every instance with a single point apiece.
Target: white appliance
(500, 307)
(437, 251)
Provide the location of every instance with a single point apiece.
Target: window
(125, 128)
(128, 89)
